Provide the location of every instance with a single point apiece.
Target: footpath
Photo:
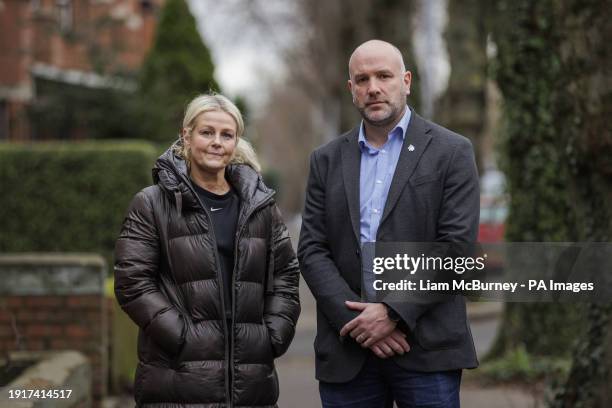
(296, 372)
(299, 389)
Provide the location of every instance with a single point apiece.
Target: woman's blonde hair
(244, 153)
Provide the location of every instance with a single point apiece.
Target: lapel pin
(411, 148)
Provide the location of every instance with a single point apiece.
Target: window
(4, 125)
(65, 15)
(146, 6)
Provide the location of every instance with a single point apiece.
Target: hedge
(61, 196)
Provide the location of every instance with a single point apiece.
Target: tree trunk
(584, 109)
(529, 75)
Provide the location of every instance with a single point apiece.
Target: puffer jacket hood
(171, 174)
(167, 279)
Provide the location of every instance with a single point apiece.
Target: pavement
(299, 389)
(296, 372)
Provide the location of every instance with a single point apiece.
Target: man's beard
(386, 120)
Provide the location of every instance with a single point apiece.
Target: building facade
(79, 43)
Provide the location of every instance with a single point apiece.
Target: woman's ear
(237, 149)
(185, 135)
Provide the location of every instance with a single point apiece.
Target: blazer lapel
(351, 162)
(416, 140)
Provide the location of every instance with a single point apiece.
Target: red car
(493, 213)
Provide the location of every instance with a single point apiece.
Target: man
(396, 178)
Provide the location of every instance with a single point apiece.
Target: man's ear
(350, 88)
(407, 81)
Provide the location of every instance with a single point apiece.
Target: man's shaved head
(379, 83)
(373, 49)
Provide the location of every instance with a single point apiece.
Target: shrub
(521, 367)
(178, 68)
(69, 196)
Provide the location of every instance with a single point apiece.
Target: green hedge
(62, 196)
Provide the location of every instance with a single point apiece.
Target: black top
(223, 210)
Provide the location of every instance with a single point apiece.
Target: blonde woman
(204, 266)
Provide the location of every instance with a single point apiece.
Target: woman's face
(212, 140)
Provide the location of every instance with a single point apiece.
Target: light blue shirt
(376, 172)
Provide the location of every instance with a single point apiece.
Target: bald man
(394, 178)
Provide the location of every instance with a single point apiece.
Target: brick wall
(31, 34)
(56, 302)
(115, 34)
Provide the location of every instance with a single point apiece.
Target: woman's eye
(228, 136)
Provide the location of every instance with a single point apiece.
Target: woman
(204, 266)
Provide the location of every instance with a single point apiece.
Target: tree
(553, 70)
(463, 105)
(584, 106)
(177, 68)
(313, 105)
(528, 75)
(334, 30)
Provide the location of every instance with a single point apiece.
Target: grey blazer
(434, 196)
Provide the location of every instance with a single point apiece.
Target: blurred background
(92, 91)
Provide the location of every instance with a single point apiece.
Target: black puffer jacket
(167, 279)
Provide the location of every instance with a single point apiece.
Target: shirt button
(375, 211)
(378, 181)
(383, 151)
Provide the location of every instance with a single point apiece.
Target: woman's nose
(217, 139)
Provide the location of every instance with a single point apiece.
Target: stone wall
(64, 377)
(56, 302)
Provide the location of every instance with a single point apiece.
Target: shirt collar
(400, 129)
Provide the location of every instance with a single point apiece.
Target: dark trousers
(382, 381)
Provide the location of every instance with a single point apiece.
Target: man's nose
(374, 87)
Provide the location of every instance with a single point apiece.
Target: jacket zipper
(236, 241)
(211, 229)
(226, 329)
(229, 374)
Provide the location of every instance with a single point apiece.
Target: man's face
(378, 85)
